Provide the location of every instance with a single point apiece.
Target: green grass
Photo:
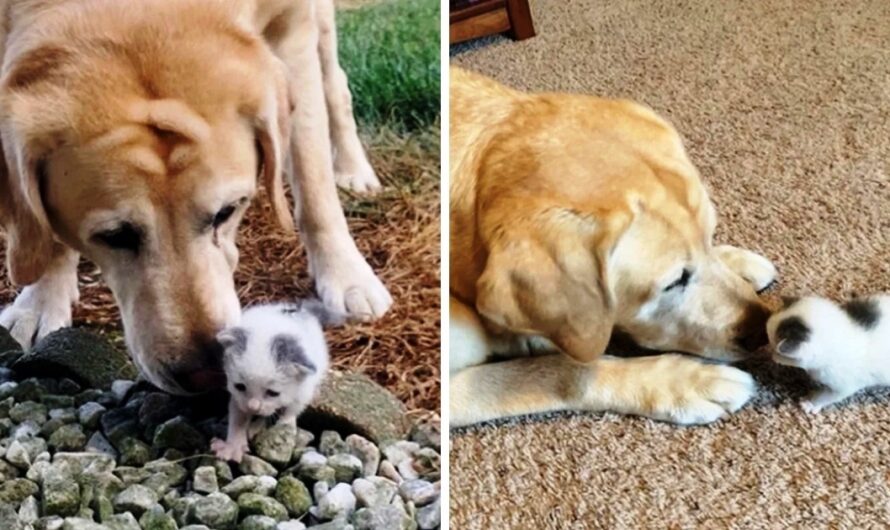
(390, 52)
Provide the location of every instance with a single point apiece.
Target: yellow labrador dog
(134, 134)
(573, 217)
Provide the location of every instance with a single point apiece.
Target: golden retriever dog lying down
(134, 134)
(573, 217)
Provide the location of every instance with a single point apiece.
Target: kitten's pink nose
(254, 405)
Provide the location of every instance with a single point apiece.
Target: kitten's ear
(289, 353)
(233, 340)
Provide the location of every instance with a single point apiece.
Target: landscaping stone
(256, 504)
(429, 517)
(294, 496)
(178, 433)
(136, 499)
(204, 480)
(378, 518)
(131, 458)
(356, 401)
(85, 357)
(89, 414)
(217, 511)
(276, 444)
(251, 465)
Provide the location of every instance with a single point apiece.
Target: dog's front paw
(356, 176)
(754, 268)
(225, 450)
(687, 392)
(346, 284)
(38, 311)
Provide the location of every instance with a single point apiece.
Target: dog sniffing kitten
(844, 347)
(274, 361)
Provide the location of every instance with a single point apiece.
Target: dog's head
(143, 153)
(587, 233)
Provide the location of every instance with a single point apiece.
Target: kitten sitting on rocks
(274, 361)
(845, 347)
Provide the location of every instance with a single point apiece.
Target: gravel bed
(131, 458)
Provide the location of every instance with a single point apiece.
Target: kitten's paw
(224, 450)
(810, 407)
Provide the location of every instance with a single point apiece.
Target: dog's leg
(343, 279)
(752, 267)
(469, 344)
(44, 306)
(670, 388)
(351, 167)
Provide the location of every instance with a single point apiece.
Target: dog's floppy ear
(550, 282)
(272, 126)
(29, 238)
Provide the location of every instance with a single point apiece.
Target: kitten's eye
(240, 387)
(272, 393)
(124, 237)
(681, 282)
(223, 215)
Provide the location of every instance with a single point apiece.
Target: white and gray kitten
(274, 361)
(845, 348)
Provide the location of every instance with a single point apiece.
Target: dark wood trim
(487, 17)
(475, 9)
(521, 26)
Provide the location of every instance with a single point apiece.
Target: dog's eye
(240, 387)
(223, 215)
(681, 281)
(272, 393)
(124, 237)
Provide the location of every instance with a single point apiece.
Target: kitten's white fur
(259, 371)
(839, 353)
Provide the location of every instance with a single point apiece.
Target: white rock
(120, 388)
(204, 480)
(17, 455)
(291, 525)
(339, 502)
(407, 471)
(387, 470)
(400, 451)
(266, 485)
(311, 458)
(29, 511)
(319, 490)
(420, 492)
(374, 491)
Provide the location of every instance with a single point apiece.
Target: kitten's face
(260, 395)
(264, 372)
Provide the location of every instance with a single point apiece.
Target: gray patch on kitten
(287, 350)
(234, 340)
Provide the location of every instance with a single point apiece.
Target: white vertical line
(445, 209)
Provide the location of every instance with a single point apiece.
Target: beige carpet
(785, 108)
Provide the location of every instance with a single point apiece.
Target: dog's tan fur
(571, 216)
(158, 114)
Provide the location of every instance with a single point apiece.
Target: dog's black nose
(204, 370)
(751, 329)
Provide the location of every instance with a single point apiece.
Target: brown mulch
(397, 231)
